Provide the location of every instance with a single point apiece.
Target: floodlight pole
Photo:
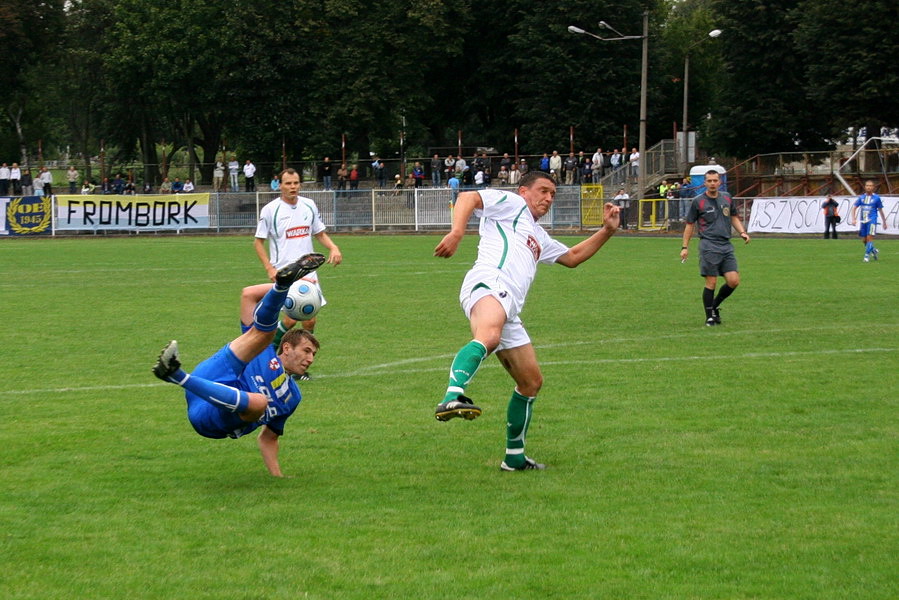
(685, 153)
(644, 72)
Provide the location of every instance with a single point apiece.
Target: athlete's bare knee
(255, 409)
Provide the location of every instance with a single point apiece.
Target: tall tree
(28, 38)
(763, 106)
(851, 60)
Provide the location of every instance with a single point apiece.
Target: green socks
(465, 365)
(276, 342)
(518, 418)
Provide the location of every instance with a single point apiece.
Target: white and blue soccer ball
(304, 300)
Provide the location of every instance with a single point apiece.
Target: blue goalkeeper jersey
(265, 374)
(868, 207)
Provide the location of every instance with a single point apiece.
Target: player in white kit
(494, 291)
(289, 223)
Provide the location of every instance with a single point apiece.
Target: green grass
(754, 460)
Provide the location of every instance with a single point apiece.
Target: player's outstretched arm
(466, 204)
(268, 446)
(585, 249)
(335, 257)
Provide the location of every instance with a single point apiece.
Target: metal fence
(416, 209)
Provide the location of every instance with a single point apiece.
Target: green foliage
(851, 60)
(250, 77)
(28, 59)
(752, 460)
(764, 106)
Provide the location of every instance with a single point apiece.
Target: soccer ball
(304, 300)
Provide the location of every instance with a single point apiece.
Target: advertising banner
(804, 215)
(26, 215)
(151, 213)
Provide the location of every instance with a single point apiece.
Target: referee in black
(714, 213)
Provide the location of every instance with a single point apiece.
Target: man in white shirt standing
(233, 169)
(493, 294)
(634, 162)
(4, 179)
(15, 179)
(249, 174)
(46, 178)
(289, 223)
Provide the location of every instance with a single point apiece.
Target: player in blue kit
(245, 385)
(866, 208)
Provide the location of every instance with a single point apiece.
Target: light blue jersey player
(864, 212)
(245, 385)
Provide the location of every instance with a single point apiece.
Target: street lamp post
(685, 153)
(644, 71)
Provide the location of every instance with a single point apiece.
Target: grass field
(753, 460)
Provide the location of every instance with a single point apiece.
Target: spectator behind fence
(233, 168)
(436, 165)
(514, 174)
(27, 183)
(327, 173)
(4, 179)
(249, 174)
(449, 167)
(342, 174)
(218, 176)
(523, 166)
(599, 165)
(72, 177)
(15, 179)
(166, 186)
(570, 168)
(555, 164)
(47, 181)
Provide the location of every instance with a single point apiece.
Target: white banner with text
(156, 212)
(805, 215)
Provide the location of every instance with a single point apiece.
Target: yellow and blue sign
(26, 215)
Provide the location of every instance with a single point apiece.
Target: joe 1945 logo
(28, 215)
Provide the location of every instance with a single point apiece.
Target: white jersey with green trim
(512, 243)
(289, 229)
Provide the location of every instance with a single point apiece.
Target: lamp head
(573, 29)
(714, 33)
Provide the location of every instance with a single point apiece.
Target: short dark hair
(297, 335)
(531, 177)
(712, 172)
(287, 171)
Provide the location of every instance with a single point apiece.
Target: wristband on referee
(683, 247)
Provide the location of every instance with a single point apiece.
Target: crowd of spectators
(453, 171)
